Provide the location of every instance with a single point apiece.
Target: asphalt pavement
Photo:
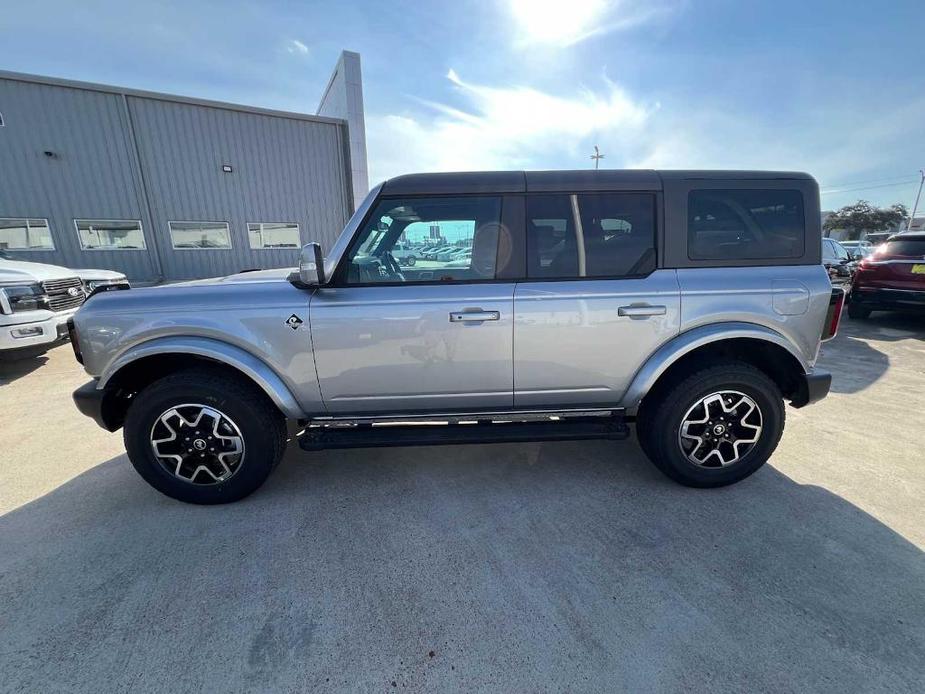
(517, 567)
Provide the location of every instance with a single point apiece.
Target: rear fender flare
(687, 342)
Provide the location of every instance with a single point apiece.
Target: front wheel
(410, 261)
(204, 436)
(715, 427)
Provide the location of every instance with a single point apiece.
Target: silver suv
(692, 303)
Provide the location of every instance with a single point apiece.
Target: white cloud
(296, 47)
(501, 128)
(831, 145)
(566, 22)
(521, 127)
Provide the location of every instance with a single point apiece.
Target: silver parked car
(692, 303)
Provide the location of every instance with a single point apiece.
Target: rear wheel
(204, 436)
(714, 427)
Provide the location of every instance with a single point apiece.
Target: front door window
(452, 239)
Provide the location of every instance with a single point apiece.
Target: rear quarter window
(745, 224)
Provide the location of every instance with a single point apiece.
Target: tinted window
(590, 235)
(908, 247)
(745, 224)
(428, 240)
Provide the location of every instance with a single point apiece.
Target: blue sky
(831, 87)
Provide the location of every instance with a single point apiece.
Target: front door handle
(476, 316)
(643, 311)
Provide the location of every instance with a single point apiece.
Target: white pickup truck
(37, 299)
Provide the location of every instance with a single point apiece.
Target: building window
(2, 123)
(110, 235)
(25, 235)
(273, 235)
(200, 235)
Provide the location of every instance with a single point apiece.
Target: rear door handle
(476, 316)
(641, 311)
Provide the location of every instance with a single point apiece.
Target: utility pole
(915, 206)
(597, 156)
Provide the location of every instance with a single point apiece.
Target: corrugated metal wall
(285, 169)
(90, 175)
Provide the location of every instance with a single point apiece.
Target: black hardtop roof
(563, 181)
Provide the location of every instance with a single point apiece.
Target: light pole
(915, 205)
(597, 156)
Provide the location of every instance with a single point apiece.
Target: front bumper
(889, 299)
(34, 333)
(89, 401)
(812, 388)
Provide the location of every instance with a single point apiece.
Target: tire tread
(657, 425)
(266, 416)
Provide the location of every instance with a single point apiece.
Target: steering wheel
(390, 265)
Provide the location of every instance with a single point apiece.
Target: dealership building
(165, 187)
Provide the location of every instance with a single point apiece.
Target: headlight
(23, 297)
(90, 285)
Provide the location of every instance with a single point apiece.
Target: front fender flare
(216, 350)
(686, 342)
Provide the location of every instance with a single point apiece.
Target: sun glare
(557, 21)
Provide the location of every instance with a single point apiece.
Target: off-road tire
(657, 429)
(262, 428)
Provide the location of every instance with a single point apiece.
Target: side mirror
(311, 265)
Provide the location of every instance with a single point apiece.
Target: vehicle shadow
(852, 355)
(888, 326)
(12, 369)
(514, 567)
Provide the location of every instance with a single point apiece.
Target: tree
(862, 216)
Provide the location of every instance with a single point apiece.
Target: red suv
(892, 279)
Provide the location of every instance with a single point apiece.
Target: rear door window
(745, 224)
(590, 235)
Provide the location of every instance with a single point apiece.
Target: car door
(435, 337)
(593, 307)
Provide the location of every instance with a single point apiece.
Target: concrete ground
(542, 567)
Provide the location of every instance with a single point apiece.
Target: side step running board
(316, 438)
